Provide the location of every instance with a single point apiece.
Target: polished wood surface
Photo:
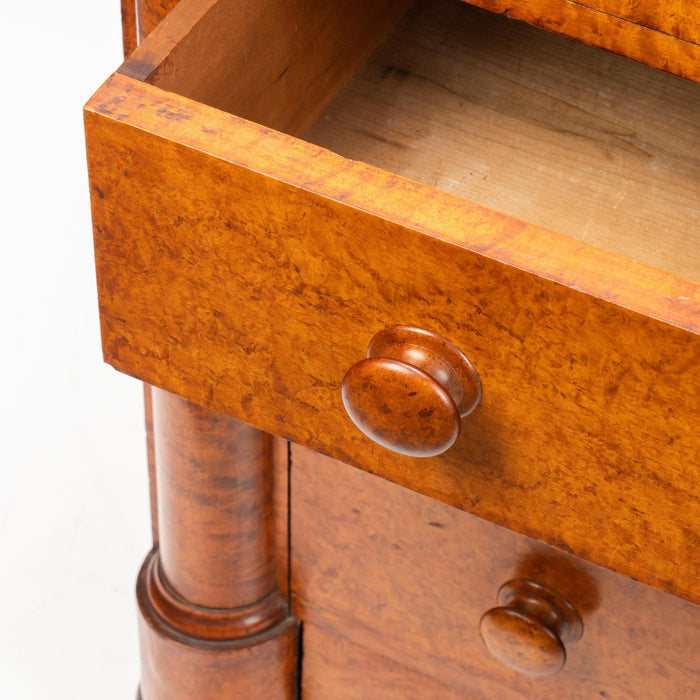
(212, 617)
(411, 391)
(280, 510)
(539, 127)
(664, 35)
(186, 649)
(679, 18)
(582, 438)
(214, 483)
(324, 175)
(130, 11)
(129, 28)
(177, 667)
(150, 13)
(337, 669)
(402, 581)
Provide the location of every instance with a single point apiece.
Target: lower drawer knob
(411, 391)
(530, 630)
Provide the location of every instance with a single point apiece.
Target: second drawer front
(386, 579)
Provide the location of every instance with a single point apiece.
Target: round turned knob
(531, 628)
(411, 391)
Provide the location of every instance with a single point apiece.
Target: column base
(178, 666)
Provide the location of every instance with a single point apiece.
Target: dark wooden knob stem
(530, 630)
(411, 391)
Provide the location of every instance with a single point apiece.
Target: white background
(73, 481)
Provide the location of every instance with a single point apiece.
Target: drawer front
(386, 579)
(661, 34)
(247, 271)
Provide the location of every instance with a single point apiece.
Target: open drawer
(246, 269)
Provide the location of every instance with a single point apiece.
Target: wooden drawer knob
(411, 391)
(530, 630)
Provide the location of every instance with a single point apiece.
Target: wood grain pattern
(156, 9)
(263, 659)
(613, 390)
(287, 62)
(129, 30)
(150, 13)
(245, 145)
(679, 18)
(533, 125)
(408, 579)
(582, 439)
(280, 510)
(212, 618)
(581, 21)
(177, 667)
(214, 482)
(337, 669)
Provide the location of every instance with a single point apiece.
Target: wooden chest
(508, 220)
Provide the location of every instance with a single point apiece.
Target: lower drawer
(386, 579)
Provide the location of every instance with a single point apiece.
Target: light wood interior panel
(278, 63)
(547, 130)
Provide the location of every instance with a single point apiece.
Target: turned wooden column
(139, 17)
(150, 12)
(213, 623)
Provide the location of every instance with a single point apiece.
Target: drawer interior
(559, 134)
(576, 140)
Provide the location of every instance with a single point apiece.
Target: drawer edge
(544, 253)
